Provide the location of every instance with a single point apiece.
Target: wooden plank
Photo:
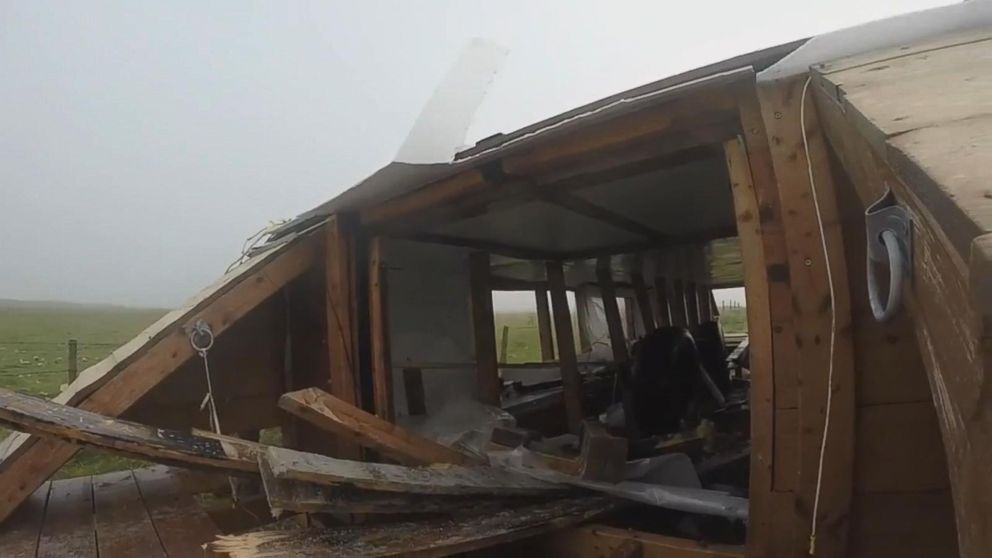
(618, 344)
(643, 301)
(413, 386)
(424, 538)
(601, 541)
(334, 415)
(818, 311)
(305, 497)
(661, 293)
(443, 479)
(382, 363)
(130, 372)
(123, 527)
(342, 325)
(769, 299)
(69, 527)
(22, 531)
(568, 362)
(582, 319)
(484, 329)
(180, 523)
(544, 332)
(45, 418)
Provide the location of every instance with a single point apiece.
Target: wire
(833, 319)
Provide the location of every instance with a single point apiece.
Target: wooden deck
(144, 512)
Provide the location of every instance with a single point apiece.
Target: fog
(141, 142)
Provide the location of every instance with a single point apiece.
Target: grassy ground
(523, 343)
(33, 351)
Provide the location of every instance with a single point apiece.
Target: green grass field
(33, 351)
(33, 355)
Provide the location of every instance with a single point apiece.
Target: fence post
(503, 343)
(73, 364)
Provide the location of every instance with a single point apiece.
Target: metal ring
(896, 274)
(201, 328)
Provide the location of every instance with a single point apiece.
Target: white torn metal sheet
(881, 34)
(439, 131)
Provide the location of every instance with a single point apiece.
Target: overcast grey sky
(141, 142)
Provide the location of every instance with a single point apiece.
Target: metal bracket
(889, 234)
(883, 215)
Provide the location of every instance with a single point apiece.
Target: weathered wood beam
(544, 333)
(703, 295)
(41, 417)
(450, 479)
(382, 362)
(305, 497)
(582, 319)
(756, 280)
(116, 384)
(618, 343)
(349, 422)
(484, 329)
(342, 320)
(817, 309)
(568, 362)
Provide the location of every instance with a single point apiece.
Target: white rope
(833, 319)
(201, 338)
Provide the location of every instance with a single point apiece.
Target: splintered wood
(488, 526)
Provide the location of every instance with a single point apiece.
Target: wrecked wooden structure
(362, 329)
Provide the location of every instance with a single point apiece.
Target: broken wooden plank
(308, 497)
(544, 333)
(123, 528)
(353, 424)
(181, 525)
(46, 418)
(429, 537)
(437, 479)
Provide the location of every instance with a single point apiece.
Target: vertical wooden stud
(582, 319)
(612, 311)
(484, 328)
(382, 365)
(677, 303)
(692, 303)
(571, 381)
(341, 324)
